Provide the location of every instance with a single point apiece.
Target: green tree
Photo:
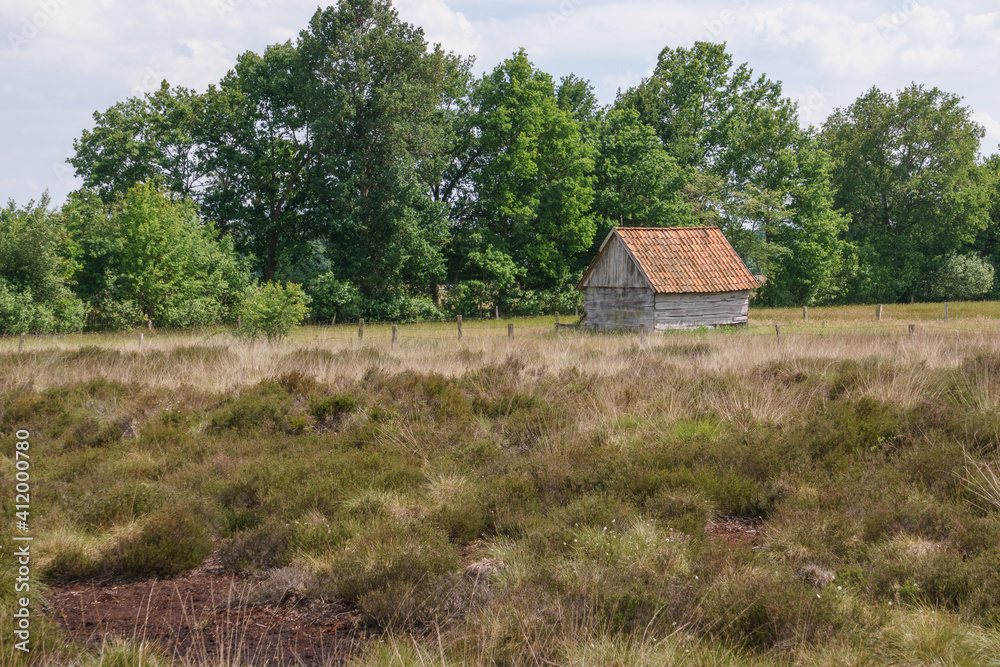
(533, 182)
(147, 257)
(151, 138)
(36, 268)
(905, 169)
(374, 91)
(638, 184)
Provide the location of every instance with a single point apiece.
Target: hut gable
(666, 278)
(614, 266)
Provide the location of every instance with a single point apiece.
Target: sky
(62, 60)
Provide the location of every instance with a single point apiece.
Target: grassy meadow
(552, 500)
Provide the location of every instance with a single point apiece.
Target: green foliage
(170, 542)
(961, 278)
(147, 257)
(638, 183)
(271, 311)
(533, 184)
(36, 266)
(331, 298)
(905, 170)
(395, 307)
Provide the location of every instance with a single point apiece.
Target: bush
(402, 308)
(171, 541)
(266, 546)
(272, 311)
(333, 298)
(332, 407)
(961, 277)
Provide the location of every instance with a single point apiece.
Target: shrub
(389, 555)
(960, 278)
(333, 298)
(332, 407)
(171, 541)
(402, 308)
(271, 311)
(266, 546)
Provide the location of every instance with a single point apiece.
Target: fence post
(361, 328)
(557, 320)
(239, 323)
(642, 332)
(913, 330)
(394, 334)
(945, 310)
(497, 313)
(149, 324)
(805, 313)
(878, 313)
(510, 332)
(777, 329)
(333, 322)
(460, 327)
(141, 337)
(20, 344)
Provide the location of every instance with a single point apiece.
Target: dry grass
(545, 500)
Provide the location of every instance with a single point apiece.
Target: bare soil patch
(205, 618)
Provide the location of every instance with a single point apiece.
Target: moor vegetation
(559, 499)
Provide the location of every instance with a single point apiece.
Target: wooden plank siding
(621, 307)
(615, 267)
(675, 311)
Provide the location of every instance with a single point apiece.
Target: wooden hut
(666, 278)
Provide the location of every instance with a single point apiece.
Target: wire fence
(492, 329)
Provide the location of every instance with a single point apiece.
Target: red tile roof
(687, 259)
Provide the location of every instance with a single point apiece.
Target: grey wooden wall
(612, 308)
(692, 310)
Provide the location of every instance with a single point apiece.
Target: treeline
(373, 169)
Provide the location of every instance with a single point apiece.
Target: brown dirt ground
(735, 532)
(204, 618)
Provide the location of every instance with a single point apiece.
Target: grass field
(697, 498)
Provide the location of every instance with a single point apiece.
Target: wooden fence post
(642, 332)
(805, 313)
(239, 323)
(557, 320)
(361, 328)
(460, 327)
(20, 344)
(149, 323)
(497, 313)
(878, 313)
(141, 337)
(945, 310)
(510, 332)
(777, 329)
(333, 322)
(395, 331)
(913, 330)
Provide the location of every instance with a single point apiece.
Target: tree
(150, 138)
(638, 184)
(533, 183)
(751, 169)
(147, 257)
(373, 91)
(36, 268)
(716, 117)
(905, 169)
